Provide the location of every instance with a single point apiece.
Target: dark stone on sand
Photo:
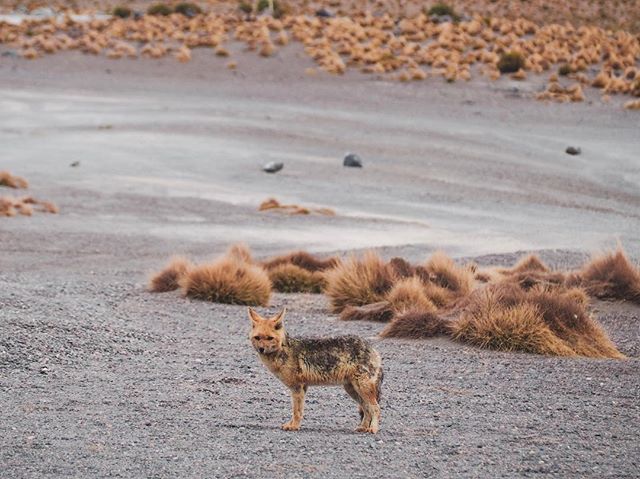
(324, 13)
(572, 150)
(273, 167)
(352, 160)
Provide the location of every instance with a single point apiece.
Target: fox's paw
(290, 426)
(370, 430)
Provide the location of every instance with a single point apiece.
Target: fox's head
(267, 334)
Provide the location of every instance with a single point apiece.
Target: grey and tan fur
(348, 361)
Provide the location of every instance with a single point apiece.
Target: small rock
(10, 53)
(572, 150)
(273, 167)
(352, 160)
(75, 163)
(44, 370)
(324, 13)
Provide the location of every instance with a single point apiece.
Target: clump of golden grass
(380, 312)
(610, 276)
(401, 267)
(444, 272)
(12, 181)
(168, 279)
(10, 206)
(358, 281)
(240, 252)
(409, 294)
(289, 278)
(416, 324)
(542, 320)
(303, 260)
(271, 204)
(530, 263)
(228, 280)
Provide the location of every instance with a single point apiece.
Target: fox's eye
(269, 338)
(257, 338)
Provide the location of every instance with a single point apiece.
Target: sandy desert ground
(99, 378)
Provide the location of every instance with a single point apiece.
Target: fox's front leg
(297, 404)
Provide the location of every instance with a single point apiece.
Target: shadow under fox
(349, 361)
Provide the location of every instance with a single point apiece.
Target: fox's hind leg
(354, 395)
(368, 389)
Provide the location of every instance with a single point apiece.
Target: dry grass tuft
(530, 263)
(10, 206)
(358, 281)
(240, 252)
(520, 327)
(415, 324)
(409, 294)
(273, 204)
(401, 267)
(302, 259)
(543, 320)
(228, 280)
(289, 278)
(11, 181)
(380, 312)
(444, 272)
(610, 276)
(169, 278)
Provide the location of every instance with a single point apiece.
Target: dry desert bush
(358, 281)
(553, 321)
(26, 205)
(289, 278)
(227, 279)
(271, 204)
(302, 259)
(168, 279)
(417, 324)
(12, 181)
(609, 276)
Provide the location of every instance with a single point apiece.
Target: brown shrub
(168, 279)
(441, 297)
(269, 204)
(542, 320)
(409, 294)
(508, 328)
(380, 312)
(565, 313)
(416, 324)
(303, 260)
(530, 263)
(289, 278)
(240, 252)
(11, 181)
(401, 267)
(529, 279)
(228, 280)
(7, 206)
(357, 282)
(610, 276)
(444, 272)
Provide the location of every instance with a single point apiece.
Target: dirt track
(142, 385)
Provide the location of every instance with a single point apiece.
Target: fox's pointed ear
(254, 317)
(278, 319)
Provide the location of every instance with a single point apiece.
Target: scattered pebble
(273, 167)
(572, 150)
(352, 160)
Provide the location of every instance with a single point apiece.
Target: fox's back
(331, 360)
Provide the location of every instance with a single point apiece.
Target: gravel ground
(99, 378)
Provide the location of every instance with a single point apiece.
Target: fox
(298, 363)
